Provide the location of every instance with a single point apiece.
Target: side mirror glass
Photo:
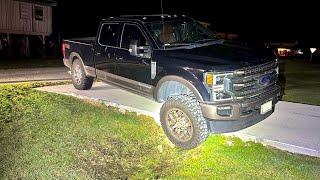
(133, 48)
(139, 51)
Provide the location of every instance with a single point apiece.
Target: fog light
(224, 110)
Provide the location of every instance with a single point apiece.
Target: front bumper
(244, 113)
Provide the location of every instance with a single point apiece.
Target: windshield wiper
(205, 40)
(179, 44)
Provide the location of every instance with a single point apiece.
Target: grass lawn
(49, 136)
(30, 63)
(301, 81)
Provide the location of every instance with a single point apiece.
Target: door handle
(145, 62)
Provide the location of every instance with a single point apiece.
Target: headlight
(212, 79)
(220, 96)
(219, 79)
(218, 85)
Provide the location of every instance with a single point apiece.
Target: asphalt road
(34, 74)
(293, 127)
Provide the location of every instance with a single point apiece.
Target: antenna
(161, 7)
(162, 18)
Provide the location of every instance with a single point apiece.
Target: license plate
(266, 107)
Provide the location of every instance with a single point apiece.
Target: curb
(122, 108)
(35, 80)
(277, 144)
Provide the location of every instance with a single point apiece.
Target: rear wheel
(182, 121)
(79, 78)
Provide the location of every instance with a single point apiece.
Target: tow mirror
(139, 51)
(133, 48)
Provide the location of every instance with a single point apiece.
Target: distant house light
(299, 51)
(284, 51)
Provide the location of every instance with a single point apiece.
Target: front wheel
(182, 121)
(79, 78)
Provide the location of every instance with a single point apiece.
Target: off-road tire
(190, 106)
(82, 82)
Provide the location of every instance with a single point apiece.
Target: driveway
(34, 74)
(293, 127)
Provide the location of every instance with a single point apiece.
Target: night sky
(254, 20)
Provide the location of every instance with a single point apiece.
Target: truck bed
(83, 49)
(85, 40)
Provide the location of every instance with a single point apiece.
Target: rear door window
(109, 35)
(130, 33)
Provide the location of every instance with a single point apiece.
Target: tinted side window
(109, 34)
(132, 32)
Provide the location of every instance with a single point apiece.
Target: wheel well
(171, 88)
(74, 56)
(174, 85)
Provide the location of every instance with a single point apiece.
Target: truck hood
(222, 53)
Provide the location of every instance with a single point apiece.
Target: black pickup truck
(207, 85)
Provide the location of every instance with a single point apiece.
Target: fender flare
(178, 79)
(77, 55)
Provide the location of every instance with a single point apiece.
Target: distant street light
(312, 51)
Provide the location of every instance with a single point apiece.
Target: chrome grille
(247, 82)
(257, 69)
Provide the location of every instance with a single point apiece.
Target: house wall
(19, 18)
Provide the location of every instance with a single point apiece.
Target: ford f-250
(207, 85)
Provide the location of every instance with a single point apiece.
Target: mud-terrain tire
(79, 78)
(192, 128)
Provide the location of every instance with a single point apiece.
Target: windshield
(172, 33)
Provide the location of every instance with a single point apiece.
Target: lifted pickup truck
(207, 85)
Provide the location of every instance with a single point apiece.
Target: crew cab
(206, 84)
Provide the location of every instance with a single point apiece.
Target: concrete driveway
(293, 127)
(34, 74)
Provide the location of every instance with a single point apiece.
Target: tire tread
(199, 122)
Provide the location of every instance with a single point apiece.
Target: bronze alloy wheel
(179, 124)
